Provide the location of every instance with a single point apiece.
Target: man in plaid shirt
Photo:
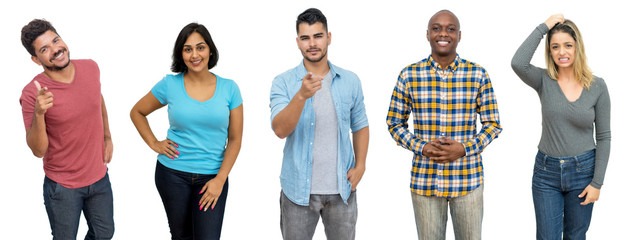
(445, 93)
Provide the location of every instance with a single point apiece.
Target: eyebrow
(198, 44)
(316, 34)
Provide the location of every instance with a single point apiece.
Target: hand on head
(554, 19)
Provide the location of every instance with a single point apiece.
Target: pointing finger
(37, 85)
(40, 90)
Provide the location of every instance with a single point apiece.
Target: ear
(328, 38)
(427, 36)
(297, 44)
(36, 60)
(459, 36)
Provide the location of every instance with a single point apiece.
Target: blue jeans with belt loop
(557, 183)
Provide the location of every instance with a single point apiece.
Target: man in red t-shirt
(66, 124)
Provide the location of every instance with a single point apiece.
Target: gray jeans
(299, 222)
(431, 215)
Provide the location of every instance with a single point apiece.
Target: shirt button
(310, 143)
(562, 161)
(312, 124)
(439, 171)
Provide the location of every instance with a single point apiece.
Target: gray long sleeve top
(567, 127)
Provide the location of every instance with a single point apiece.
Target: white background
(132, 43)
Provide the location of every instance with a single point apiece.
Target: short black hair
(178, 65)
(311, 16)
(32, 31)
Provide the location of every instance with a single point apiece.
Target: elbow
(278, 129)
(515, 64)
(38, 153)
(280, 134)
(134, 113)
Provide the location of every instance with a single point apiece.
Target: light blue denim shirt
(296, 171)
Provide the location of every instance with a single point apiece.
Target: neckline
(184, 89)
(557, 83)
(60, 83)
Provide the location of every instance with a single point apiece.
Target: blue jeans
(299, 222)
(64, 206)
(431, 215)
(180, 196)
(557, 183)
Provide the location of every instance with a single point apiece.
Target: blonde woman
(570, 165)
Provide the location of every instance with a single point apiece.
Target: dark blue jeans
(64, 206)
(180, 196)
(557, 183)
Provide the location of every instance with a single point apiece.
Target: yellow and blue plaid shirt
(444, 103)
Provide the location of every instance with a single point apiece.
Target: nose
(195, 53)
(443, 32)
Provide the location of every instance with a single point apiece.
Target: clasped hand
(443, 150)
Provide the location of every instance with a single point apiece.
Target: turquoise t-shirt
(199, 128)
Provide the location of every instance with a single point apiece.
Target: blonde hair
(580, 67)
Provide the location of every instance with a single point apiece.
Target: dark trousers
(180, 196)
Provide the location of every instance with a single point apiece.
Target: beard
(306, 56)
(55, 68)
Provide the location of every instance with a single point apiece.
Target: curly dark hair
(32, 31)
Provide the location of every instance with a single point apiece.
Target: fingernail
(171, 157)
(206, 209)
(200, 208)
(177, 152)
(212, 208)
(200, 192)
(199, 203)
(177, 145)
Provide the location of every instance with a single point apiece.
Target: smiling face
(313, 41)
(51, 52)
(562, 48)
(444, 34)
(196, 53)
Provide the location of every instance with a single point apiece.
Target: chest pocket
(343, 110)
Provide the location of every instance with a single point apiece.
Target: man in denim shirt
(321, 168)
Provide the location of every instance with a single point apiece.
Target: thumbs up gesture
(44, 99)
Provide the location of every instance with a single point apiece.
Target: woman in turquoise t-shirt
(203, 140)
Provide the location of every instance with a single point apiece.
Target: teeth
(59, 55)
(442, 42)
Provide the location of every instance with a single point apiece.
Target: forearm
(361, 146)
(106, 125)
(36, 136)
(142, 126)
(230, 157)
(405, 138)
(602, 154)
(286, 120)
(489, 132)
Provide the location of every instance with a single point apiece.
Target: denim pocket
(586, 165)
(51, 188)
(539, 165)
